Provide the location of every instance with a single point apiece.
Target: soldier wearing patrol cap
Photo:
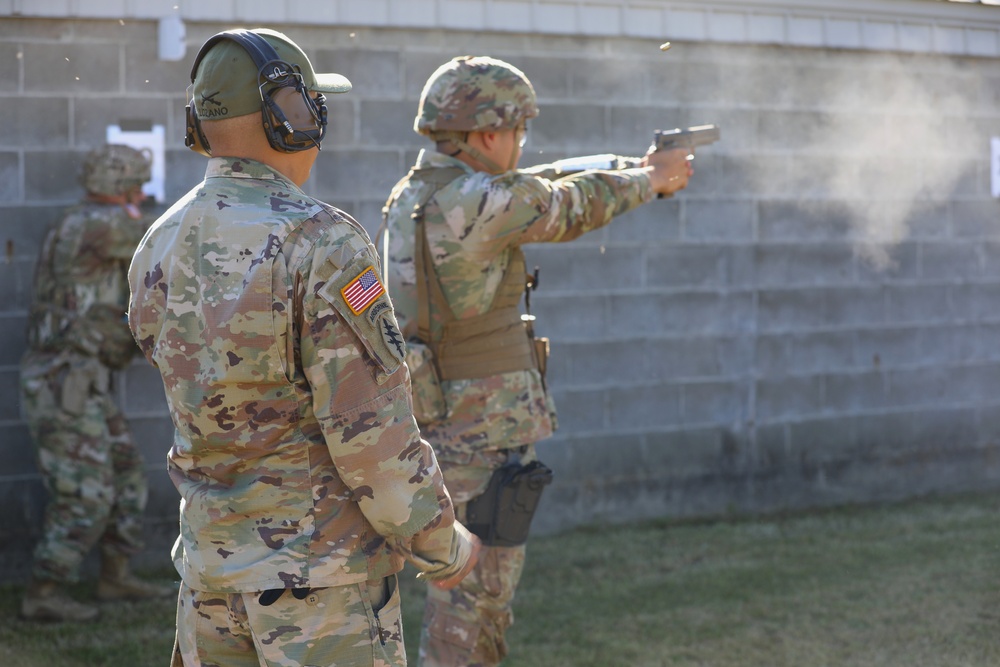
(456, 224)
(77, 338)
(304, 481)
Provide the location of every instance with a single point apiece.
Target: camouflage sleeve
(402, 272)
(521, 208)
(562, 168)
(438, 555)
(404, 294)
(352, 356)
(147, 305)
(548, 171)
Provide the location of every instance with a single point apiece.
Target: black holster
(501, 516)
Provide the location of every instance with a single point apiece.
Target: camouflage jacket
(296, 454)
(81, 286)
(473, 224)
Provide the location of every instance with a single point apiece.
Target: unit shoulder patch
(359, 297)
(390, 335)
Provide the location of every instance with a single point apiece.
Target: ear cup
(295, 109)
(292, 120)
(194, 138)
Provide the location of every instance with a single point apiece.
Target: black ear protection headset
(272, 72)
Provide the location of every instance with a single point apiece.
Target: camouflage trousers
(465, 626)
(345, 626)
(89, 463)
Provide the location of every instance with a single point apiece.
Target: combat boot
(45, 601)
(118, 583)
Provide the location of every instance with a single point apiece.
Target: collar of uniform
(428, 159)
(241, 167)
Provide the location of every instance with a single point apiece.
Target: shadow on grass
(126, 633)
(911, 585)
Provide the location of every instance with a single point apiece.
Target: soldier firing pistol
(687, 139)
(663, 141)
(701, 135)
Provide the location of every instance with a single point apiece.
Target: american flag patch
(363, 290)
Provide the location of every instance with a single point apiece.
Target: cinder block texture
(12, 328)
(78, 68)
(15, 281)
(92, 115)
(389, 123)
(52, 175)
(413, 12)
(10, 402)
(812, 321)
(373, 73)
(43, 121)
(10, 69)
(10, 176)
(145, 74)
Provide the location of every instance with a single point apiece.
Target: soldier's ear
(489, 138)
(482, 140)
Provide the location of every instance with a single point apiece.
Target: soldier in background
(304, 480)
(77, 339)
(456, 272)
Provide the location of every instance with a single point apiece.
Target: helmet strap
(512, 160)
(457, 139)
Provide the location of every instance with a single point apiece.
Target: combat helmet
(115, 169)
(474, 93)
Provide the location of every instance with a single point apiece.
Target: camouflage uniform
(296, 454)
(77, 336)
(475, 223)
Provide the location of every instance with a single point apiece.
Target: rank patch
(362, 291)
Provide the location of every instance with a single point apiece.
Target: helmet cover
(475, 93)
(115, 169)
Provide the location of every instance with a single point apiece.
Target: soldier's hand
(456, 579)
(669, 171)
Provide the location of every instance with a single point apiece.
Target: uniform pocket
(454, 631)
(75, 389)
(387, 622)
(381, 592)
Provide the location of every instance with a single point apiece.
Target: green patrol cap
(226, 82)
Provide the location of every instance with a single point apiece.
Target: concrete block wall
(811, 322)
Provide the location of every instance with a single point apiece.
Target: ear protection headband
(272, 72)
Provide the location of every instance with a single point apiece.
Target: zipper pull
(378, 628)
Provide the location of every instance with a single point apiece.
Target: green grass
(127, 634)
(914, 585)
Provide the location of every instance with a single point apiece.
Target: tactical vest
(85, 317)
(496, 341)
